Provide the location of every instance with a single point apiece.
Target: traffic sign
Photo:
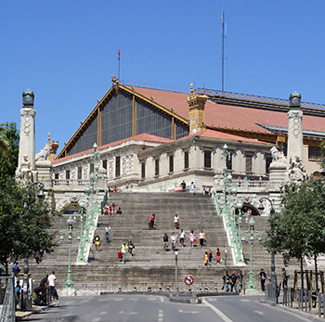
(188, 280)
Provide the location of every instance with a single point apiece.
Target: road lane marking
(218, 312)
(245, 300)
(190, 312)
(118, 299)
(259, 312)
(96, 319)
(130, 313)
(160, 316)
(102, 313)
(84, 301)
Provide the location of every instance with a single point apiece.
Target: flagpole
(119, 64)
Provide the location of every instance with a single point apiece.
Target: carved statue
(278, 156)
(296, 171)
(44, 153)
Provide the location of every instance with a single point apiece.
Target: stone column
(295, 135)
(26, 161)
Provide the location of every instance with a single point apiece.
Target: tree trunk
(316, 272)
(302, 271)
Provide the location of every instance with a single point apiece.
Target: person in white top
(173, 240)
(107, 232)
(202, 238)
(176, 221)
(182, 237)
(52, 281)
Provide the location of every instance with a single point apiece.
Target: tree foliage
(299, 229)
(9, 149)
(24, 221)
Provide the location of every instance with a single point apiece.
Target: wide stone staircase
(151, 266)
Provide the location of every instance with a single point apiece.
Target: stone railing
(69, 182)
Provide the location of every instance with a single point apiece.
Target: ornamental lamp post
(251, 283)
(81, 257)
(176, 288)
(272, 289)
(69, 282)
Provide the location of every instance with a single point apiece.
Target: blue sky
(65, 52)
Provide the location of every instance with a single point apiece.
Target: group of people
(181, 236)
(263, 277)
(126, 247)
(233, 282)
(112, 209)
(208, 256)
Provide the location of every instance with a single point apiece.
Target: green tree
(298, 231)
(24, 221)
(9, 149)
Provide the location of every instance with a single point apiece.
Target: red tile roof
(141, 137)
(230, 116)
(226, 136)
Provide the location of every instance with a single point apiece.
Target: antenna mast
(223, 51)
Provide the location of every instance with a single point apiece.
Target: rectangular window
(186, 160)
(207, 159)
(229, 161)
(268, 160)
(249, 164)
(56, 176)
(91, 169)
(117, 166)
(105, 164)
(314, 153)
(143, 170)
(156, 167)
(79, 173)
(171, 163)
(67, 174)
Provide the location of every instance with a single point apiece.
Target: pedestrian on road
(124, 249)
(233, 282)
(226, 282)
(52, 281)
(240, 279)
(262, 279)
(107, 232)
(192, 188)
(192, 238)
(284, 278)
(206, 259)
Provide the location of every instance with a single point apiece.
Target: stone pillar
(196, 114)
(295, 135)
(26, 160)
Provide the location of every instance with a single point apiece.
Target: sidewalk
(20, 315)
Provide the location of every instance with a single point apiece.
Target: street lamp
(176, 288)
(272, 293)
(81, 256)
(251, 283)
(69, 282)
(26, 294)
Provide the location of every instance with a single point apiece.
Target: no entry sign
(189, 280)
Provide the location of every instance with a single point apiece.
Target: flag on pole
(118, 54)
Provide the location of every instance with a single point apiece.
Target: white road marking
(118, 299)
(245, 300)
(160, 316)
(259, 312)
(151, 298)
(105, 299)
(218, 312)
(96, 319)
(102, 313)
(190, 312)
(130, 313)
(70, 302)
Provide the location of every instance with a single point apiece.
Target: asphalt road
(153, 308)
